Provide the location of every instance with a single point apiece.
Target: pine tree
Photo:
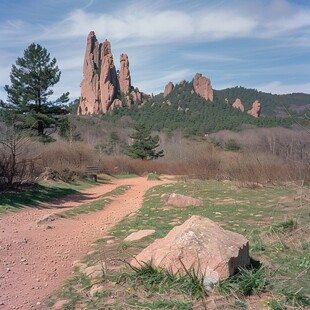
(144, 145)
(32, 79)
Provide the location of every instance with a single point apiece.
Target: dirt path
(35, 259)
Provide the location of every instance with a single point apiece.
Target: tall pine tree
(32, 79)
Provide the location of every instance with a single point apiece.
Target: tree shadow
(41, 197)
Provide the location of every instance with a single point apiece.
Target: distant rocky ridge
(103, 88)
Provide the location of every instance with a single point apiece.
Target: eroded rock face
(238, 105)
(90, 95)
(201, 244)
(168, 89)
(100, 84)
(124, 74)
(256, 109)
(202, 87)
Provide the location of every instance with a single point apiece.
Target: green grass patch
(124, 176)
(118, 191)
(38, 194)
(84, 208)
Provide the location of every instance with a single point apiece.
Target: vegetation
(279, 281)
(144, 145)
(185, 110)
(32, 79)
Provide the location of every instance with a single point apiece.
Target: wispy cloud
(277, 87)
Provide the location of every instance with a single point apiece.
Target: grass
(84, 208)
(38, 194)
(93, 206)
(124, 176)
(278, 230)
(120, 190)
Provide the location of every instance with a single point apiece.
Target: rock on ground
(198, 244)
(179, 200)
(139, 235)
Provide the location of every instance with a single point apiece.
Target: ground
(37, 258)
(77, 261)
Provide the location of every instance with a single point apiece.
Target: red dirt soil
(36, 259)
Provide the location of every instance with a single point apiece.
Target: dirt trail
(35, 259)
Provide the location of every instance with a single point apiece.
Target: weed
(294, 298)
(246, 282)
(190, 283)
(282, 227)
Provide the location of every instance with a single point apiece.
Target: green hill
(183, 109)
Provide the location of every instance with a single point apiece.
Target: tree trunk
(40, 128)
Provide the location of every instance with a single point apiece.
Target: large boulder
(198, 244)
(202, 87)
(179, 200)
(256, 109)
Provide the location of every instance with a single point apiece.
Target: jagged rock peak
(99, 85)
(238, 105)
(256, 109)
(202, 87)
(168, 89)
(124, 74)
(90, 96)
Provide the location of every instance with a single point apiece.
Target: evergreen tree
(144, 145)
(32, 79)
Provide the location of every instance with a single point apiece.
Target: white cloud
(277, 87)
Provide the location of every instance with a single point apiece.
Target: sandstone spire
(256, 109)
(202, 87)
(90, 97)
(99, 85)
(108, 78)
(238, 105)
(124, 74)
(168, 89)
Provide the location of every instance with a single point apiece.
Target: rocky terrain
(103, 87)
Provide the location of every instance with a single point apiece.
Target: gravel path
(35, 259)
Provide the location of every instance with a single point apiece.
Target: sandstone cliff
(202, 87)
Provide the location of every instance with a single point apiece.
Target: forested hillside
(184, 109)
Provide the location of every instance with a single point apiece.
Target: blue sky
(262, 44)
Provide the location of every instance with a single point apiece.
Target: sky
(261, 44)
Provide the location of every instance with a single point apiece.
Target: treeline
(272, 104)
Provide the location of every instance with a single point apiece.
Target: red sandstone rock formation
(97, 91)
(168, 89)
(202, 87)
(256, 109)
(238, 105)
(124, 74)
(90, 96)
(108, 77)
